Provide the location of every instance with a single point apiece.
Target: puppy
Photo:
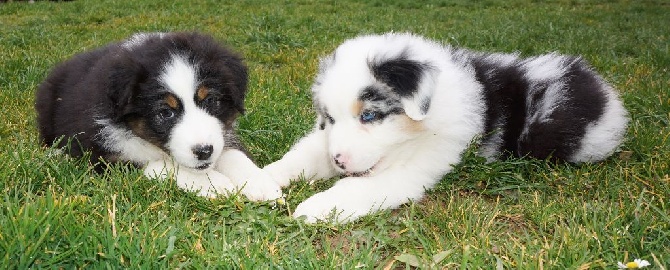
(396, 111)
(163, 101)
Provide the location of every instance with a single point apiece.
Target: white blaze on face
(196, 127)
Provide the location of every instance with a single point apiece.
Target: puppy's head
(372, 95)
(180, 92)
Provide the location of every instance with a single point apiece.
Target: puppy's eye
(368, 116)
(166, 114)
(211, 101)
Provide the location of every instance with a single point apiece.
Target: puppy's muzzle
(203, 151)
(340, 161)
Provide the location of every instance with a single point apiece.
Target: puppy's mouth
(366, 173)
(203, 166)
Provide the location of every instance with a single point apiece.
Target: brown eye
(166, 114)
(211, 102)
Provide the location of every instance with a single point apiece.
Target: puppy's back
(61, 88)
(548, 106)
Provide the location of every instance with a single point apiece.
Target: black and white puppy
(396, 111)
(164, 101)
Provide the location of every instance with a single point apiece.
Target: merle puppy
(396, 111)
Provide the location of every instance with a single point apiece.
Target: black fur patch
(504, 91)
(583, 103)
(403, 75)
(512, 101)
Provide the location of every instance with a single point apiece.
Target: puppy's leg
(308, 157)
(207, 184)
(353, 197)
(254, 183)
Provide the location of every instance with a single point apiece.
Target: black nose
(203, 151)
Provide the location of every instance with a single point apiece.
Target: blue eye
(368, 116)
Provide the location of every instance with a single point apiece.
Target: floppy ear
(411, 80)
(123, 78)
(239, 77)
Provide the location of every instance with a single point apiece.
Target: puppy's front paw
(158, 169)
(211, 184)
(279, 174)
(260, 187)
(207, 184)
(331, 205)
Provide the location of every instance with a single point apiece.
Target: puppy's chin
(203, 166)
(361, 173)
(366, 173)
(196, 166)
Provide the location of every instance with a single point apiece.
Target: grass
(527, 214)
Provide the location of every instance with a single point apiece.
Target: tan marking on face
(411, 125)
(202, 93)
(357, 108)
(172, 101)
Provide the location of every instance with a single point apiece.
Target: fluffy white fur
(393, 162)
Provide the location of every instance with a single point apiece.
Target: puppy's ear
(240, 77)
(412, 80)
(124, 77)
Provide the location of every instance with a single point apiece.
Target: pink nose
(341, 161)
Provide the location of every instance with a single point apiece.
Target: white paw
(279, 174)
(157, 170)
(206, 184)
(210, 184)
(260, 187)
(332, 205)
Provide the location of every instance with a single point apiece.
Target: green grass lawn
(56, 213)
